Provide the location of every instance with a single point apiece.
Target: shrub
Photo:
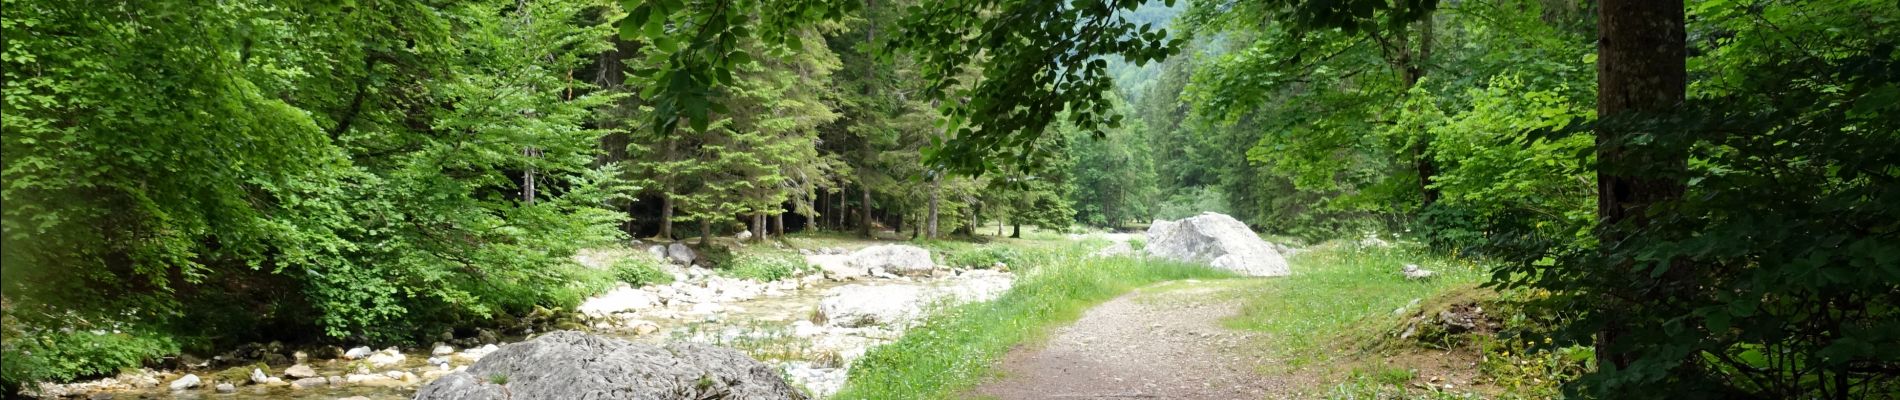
(33, 354)
(641, 271)
(715, 256)
(766, 266)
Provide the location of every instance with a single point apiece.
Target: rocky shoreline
(812, 327)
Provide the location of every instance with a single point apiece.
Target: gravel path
(1150, 344)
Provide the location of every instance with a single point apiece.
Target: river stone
(860, 305)
(621, 299)
(186, 382)
(227, 388)
(680, 254)
(358, 352)
(1216, 240)
(311, 382)
(300, 371)
(837, 267)
(896, 258)
(387, 357)
(574, 365)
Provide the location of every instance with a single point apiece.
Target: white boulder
(895, 258)
(186, 382)
(837, 267)
(1217, 240)
(680, 254)
(620, 299)
(861, 305)
(1413, 272)
(300, 371)
(359, 352)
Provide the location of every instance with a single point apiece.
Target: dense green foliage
(1775, 274)
(211, 173)
(1471, 125)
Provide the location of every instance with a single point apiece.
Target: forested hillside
(1717, 213)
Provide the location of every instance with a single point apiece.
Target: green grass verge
(955, 350)
(1344, 289)
(1338, 317)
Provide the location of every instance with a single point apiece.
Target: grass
(954, 350)
(766, 266)
(641, 270)
(1341, 288)
(1337, 320)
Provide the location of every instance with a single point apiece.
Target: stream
(770, 321)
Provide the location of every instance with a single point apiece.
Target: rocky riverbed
(812, 327)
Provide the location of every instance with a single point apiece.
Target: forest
(1706, 193)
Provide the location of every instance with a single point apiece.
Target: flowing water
(767, 327)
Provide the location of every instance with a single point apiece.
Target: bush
(641, 271)
(715, 256)
(766, 267)
(33, 354)
(984, 257)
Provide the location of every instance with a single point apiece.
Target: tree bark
(1640, 71)
(930, 219)
(864, 222)
(1412, 63)
(759, 229)
(666, 217)
(778, 224)
(1016, 231)
(705, 231)
(666, 191)
(527, 178)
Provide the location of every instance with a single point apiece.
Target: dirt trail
(1162, 342)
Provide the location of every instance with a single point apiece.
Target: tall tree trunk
(778, 224)
(527, 178)
(930, 219)
(758, 226)
(1640, 72)
(1016, 231)
(670, 152)
(1412, 64)
(864, 222)
(666, 217)
(971, 228)
(705, 231)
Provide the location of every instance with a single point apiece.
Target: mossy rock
(239, 375)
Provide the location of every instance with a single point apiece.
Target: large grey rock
(680, 254)
(311, 382)
(1216, 240)
(187, 382)
(574, 365)
(860, 305)
(358, 352)
(300, 371)
(895, 258)
(837, 267)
